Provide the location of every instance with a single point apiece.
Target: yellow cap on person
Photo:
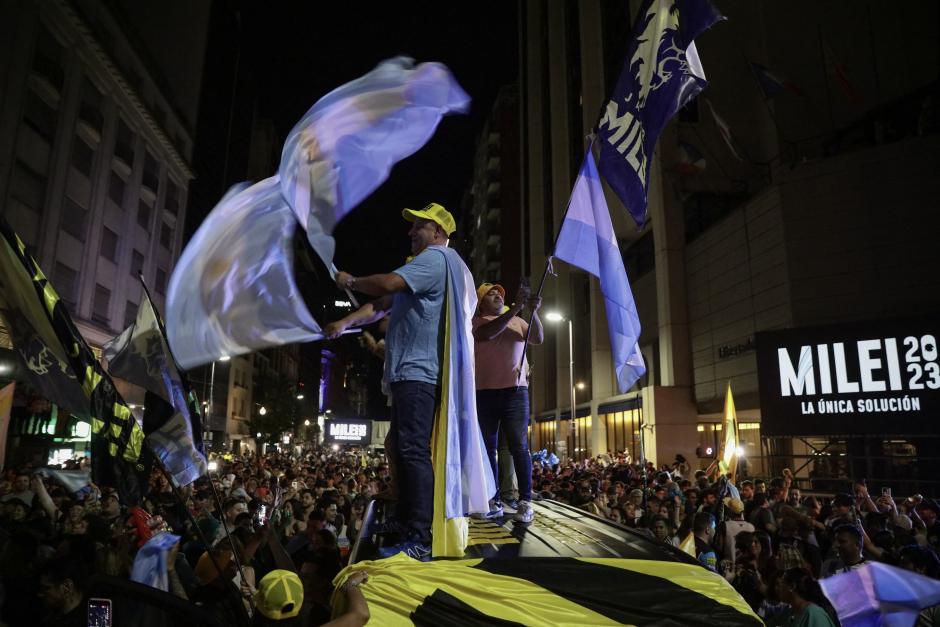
(435, 213)
(280, 595)
(485, 289)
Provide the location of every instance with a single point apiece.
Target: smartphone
(260, 515)
(886, 492)
(99, 613)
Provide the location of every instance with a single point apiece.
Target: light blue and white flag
(346, 144)
(587, 240)
(150, 563)
(233, 289)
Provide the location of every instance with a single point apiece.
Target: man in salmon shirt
(502, 388)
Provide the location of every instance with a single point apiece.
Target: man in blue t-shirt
(414, 297)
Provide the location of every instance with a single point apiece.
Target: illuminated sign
(859, 378)
(348, 432)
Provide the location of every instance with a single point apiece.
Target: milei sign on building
(357, 432)
(856, 378)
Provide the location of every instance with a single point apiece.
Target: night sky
(291, 54)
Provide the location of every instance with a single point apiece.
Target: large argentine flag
(233, 289)
(346, 144)
(587, 240)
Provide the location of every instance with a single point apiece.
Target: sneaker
(415, 550)
(496, 511)
(510, 505)
(524, 513)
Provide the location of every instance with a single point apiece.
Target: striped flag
(838, 71)
(59, 359)
(771, 84)
(691, 160)
(725, 131)
(141, 355)
(587, 240)
(546, 591)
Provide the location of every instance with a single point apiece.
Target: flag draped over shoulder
(346, 144)
(587, 240)
(233, 289)
(140, 355)
(728, 451)
(662, 73)
(463, 479)
(63, 366)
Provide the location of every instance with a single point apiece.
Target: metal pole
(571, 377)
(211, 396)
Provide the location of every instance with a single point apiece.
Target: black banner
(865, 378)
(356, 432)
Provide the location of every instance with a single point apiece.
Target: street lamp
(555, 317)
(300, 397)
(263, 410)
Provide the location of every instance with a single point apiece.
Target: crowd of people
(772, 543)
(250, 533)
(258, 526)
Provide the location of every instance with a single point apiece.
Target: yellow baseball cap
(280, 595)
(485, 288)
(435, 213)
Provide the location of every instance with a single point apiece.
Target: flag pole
(548, 261)
(156, 457)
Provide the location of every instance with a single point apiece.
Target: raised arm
(373, 285)
(367, 314)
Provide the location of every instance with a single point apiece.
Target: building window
(40, 116)
(623, 432)
(66, 284)
(102, 302)
(166, 236)
(172, 201)
(151, 176)
(144, 211)
(47, 59)
(83, 157)
(137, 263)
(116, 189)
(124, 143)
(74, 219)
(130, 313)
(89, 111)
(28, 186)
(160, 283)
(109, 244)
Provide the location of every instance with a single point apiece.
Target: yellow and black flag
(546, 591)
(62, 366)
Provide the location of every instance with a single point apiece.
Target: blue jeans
(507, 411)
(413, 406)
